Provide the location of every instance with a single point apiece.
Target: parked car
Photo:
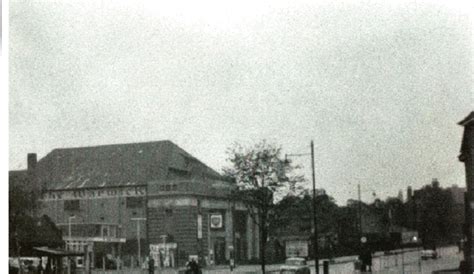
(295, 265)
(28, 264)
(429, 254)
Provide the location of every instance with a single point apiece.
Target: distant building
(109, 199)
(457, 193)
(458, 212)
(467, 157)
(409, 193)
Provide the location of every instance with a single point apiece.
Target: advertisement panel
(296, 248)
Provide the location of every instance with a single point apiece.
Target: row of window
(78, 246)
(131, 202)
(91, 230)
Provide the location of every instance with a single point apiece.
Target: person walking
(193, 267)
(366, 258)
(40, 267)
(151, 265)
(73, 266)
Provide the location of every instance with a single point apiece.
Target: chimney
(31, 169)
(435, 182)
(32, 160)
(409, 193)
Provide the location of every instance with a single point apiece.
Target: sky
(379, 86)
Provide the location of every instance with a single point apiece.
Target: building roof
(468, 120)
(56, 252)
(119, 165)
(18, 178)
(35, 232)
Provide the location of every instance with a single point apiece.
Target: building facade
(467, 157)
(125, 201)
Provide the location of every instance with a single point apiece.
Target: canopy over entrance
(55, 252)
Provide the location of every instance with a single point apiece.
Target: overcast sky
(378, 85)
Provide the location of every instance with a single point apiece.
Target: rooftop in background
(36, 232)
(119, 165)
(469, 119)
(457, 193)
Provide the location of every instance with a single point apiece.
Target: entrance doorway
(219, 250)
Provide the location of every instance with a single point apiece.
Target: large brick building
(112, 199)
(467, 157)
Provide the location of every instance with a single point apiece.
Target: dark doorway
(219, 250)
(237, 249)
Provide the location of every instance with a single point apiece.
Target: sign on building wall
(216, 220)
(296, 248)
(78, 194)
(199, 226)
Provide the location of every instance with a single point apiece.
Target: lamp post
(415, 240)
(315, 246)
(138, 236)
(69, 241)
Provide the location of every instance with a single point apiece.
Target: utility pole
(360, 210)
(138, 238)
(315, 245)
(316, 257)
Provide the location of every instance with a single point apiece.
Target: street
(449, 259)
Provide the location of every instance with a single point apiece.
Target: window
(105, 231)
(98, 230)
(71, 205)
(169, 212)
(135, 202)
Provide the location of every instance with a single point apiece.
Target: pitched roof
(34, 232)
(119, 165)
(469, 119)
(16, 177)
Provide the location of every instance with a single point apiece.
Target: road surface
(408, 263)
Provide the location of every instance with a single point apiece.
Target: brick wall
(180, 226)
(105, 210)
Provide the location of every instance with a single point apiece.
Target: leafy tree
(293, 215)
(23, 204)
(261, 174)
(434, 207)
(396, 212)
(349, 232)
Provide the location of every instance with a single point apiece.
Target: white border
(4, 129)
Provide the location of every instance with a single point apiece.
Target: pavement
(405, 262)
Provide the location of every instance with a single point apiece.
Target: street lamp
(138, 236)
(416, 240)
(315, 245)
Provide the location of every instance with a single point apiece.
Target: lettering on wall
(168, 187)
(78, 194)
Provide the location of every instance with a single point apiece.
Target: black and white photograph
(239, 136)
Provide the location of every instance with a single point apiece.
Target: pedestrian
(73, 266)
(193, 267)
(366, 259)
(151, 265)
(40, 267)
(48, 268)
